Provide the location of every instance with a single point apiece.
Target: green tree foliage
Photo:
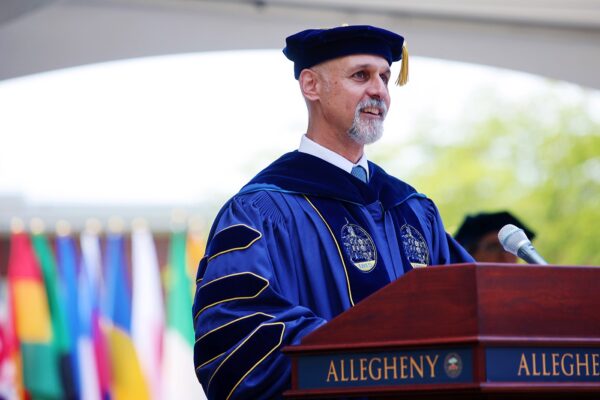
(538, 158)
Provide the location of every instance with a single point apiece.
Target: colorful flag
(178, 364)
(127, 377)
(32, 320)
(67, 268)
(11, 379)
(147, 319)
(91, 347)
(60, 337)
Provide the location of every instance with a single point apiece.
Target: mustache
(372, 103)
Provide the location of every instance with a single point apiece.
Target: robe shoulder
(299, 173)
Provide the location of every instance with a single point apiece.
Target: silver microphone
(515, 241)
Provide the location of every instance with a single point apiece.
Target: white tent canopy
(552, 38)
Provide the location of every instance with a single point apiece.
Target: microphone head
(512, 238)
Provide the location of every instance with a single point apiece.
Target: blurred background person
(478, 234)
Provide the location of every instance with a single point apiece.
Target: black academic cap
(477, 225)
(314, 46)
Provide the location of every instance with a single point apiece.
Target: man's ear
(310, 84)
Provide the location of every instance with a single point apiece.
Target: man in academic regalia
(319, 229)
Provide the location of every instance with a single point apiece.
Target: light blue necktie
(359, 172)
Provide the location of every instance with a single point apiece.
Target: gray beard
(369, 131)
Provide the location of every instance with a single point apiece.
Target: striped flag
(60, 337)
(91, 346)
(127, 377)
(147, 323)
(32, 320)
(180, 378)
(67, 268)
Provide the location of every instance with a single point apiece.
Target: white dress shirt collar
(315, 149)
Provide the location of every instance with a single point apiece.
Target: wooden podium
(467, 331)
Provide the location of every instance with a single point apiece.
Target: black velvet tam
(477, 225)
(314, 46)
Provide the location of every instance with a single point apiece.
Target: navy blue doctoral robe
(298, 245)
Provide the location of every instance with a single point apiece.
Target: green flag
(179, 300)
(60, 335)
(178, 359)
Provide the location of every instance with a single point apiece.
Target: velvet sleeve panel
(245, 307)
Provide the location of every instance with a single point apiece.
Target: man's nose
(377, 88)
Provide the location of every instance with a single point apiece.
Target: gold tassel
(403, 76)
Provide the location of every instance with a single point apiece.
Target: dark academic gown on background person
(301, 243)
